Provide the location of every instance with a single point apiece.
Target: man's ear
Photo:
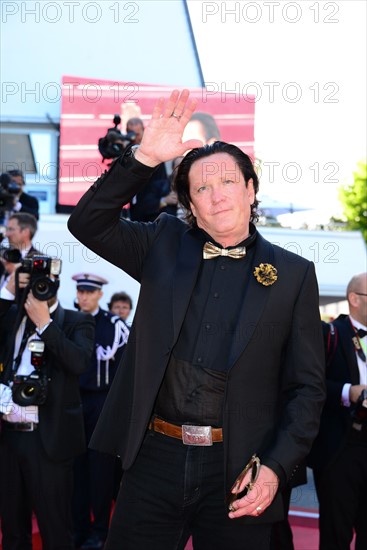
(251, 190)
(27, 232)
(353, 299)
(193, 209)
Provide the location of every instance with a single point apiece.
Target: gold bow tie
(211, 251)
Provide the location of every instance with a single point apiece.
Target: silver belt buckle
(197, 435)
(27, 427)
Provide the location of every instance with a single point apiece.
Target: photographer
(157, 196)
(12, 195)
(44, 349)
(23, 202)
(114, 142)
(339, 454)
(19, 231)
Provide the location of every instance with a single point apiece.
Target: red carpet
(305, 538)
(305, 535)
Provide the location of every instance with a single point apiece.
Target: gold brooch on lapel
(266, 274)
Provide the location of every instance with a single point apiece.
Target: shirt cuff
(5, 294)
(345, 395)
(42, 330)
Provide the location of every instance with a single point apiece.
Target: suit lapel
(186, 273)
(346, 341)
(254, 300)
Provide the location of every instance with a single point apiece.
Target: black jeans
(174, 491)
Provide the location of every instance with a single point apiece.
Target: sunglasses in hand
(254, 466)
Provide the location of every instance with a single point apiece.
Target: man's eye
(227, 182)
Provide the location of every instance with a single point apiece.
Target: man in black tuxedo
(23, 202)
(224, 365)
(39, 438)
(339, 453)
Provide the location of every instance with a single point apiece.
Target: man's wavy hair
(181, 180)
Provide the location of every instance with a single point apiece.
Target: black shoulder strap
(59, 316)
(332, 341)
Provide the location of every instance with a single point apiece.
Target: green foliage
(353, 198)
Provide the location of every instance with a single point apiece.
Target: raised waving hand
(162, 138)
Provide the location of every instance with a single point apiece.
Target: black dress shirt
(193, 387)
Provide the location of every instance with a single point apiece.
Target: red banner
(87, 112)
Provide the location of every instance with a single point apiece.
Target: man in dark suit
(20, 230)
(24, 202)
(223, 372)
(339, 453)
(40, 437)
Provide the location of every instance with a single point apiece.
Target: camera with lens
(32, 389)
(10, 254)
(359, 412)
(44, 272)
(113, 144)
(8, 190)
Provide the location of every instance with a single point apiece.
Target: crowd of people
(200, 417)
(46, 467)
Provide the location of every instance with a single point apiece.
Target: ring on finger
(258, 510)
(176, 116)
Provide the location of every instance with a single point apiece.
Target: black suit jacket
(336, 420)
(275, 384)
(29, 204)
(68, 352)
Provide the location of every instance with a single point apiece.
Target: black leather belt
(19, 426)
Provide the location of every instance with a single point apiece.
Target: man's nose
(216, 195)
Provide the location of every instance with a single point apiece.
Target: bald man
(339, 454)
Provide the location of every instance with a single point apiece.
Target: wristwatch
(131, 152)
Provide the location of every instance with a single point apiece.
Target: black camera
(10, 254)
(32, 389)
(40, 269)
(29, 390)
(359, 411)
(113, 144)
(8, 190)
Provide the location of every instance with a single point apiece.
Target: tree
(353, 198)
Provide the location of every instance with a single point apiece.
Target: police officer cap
(89, 281)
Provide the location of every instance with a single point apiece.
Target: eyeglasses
(254, 466)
